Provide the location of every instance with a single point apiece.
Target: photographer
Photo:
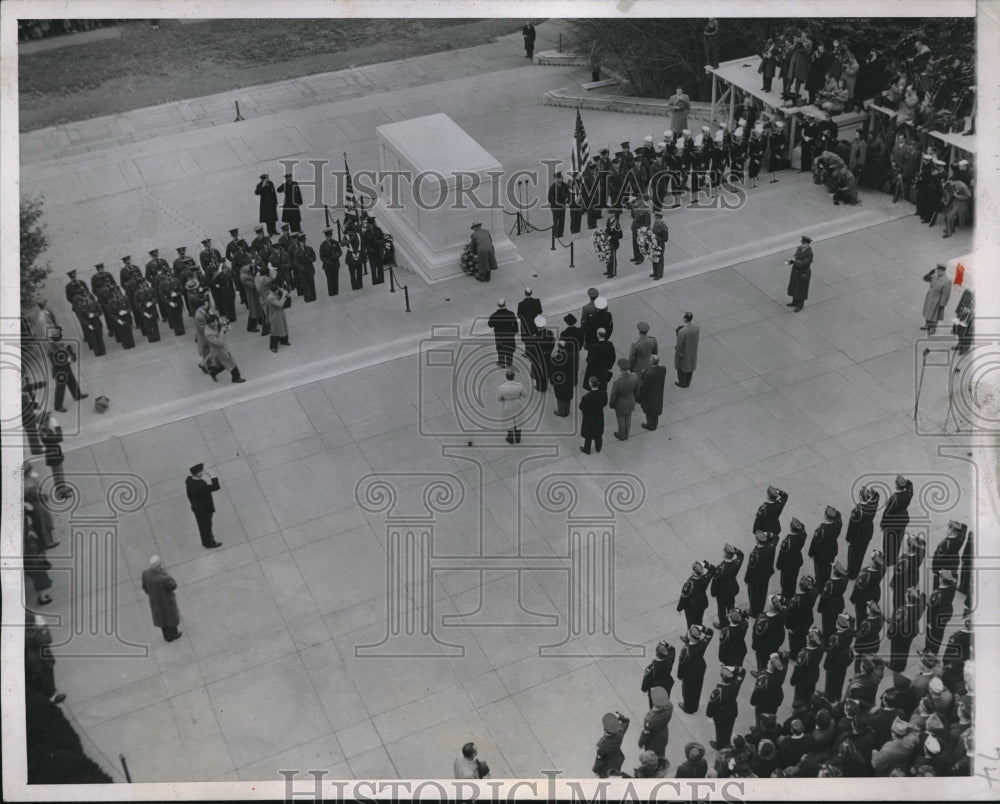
(219, 356)
(278, 300)
(469, 766)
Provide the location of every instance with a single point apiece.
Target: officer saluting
(869, 638)
(725, 585)
(823, 547)
(722, 707)
(769, 631)
(805, 676)
(210, 259)
(733, 638)
(799, 614)
(860, 526)
(903, 628)
(75, 287)
(895, 518)
(868, 586)
(768, 692)
(947, 555)
(760, 568)
(329, 254)
(789, 559)
(694, 599)
(939, 611)
(768, 514)
(838, 656)
(831, 598)
(691, 666)
(658, 671)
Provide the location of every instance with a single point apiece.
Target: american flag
(350, 200)
(581, 149)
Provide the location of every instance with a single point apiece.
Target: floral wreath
(602, 246)
(388, 245)
(468, 260)
(649, 245)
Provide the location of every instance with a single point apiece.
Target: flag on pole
(350, 200)
(581, 149)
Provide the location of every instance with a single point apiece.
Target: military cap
(796, 525)
(698, 568)
(659, 696)
(900, 480)
(830, 512)
(878, 559)
(478, 224)
(728, 549)
(258, 228)
(328, 231)
(735, 616)
(527, 291)
(726, 673)
(206, 241)
(569, 319)
(947, 576)
(844, 621)
(181, 249)
(806, 239)
(839, 570)
(807, 582)
(611, 723)
(662, 650)
(99, 266)
(873, 607)
(285, 227)
(153, 252)
(197, 468)
(71, 273)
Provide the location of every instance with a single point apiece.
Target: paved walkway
(267, 675)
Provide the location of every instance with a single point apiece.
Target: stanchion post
(128, 776)
(553, 232)
(238, 115)
(340, 236)
(392, 280)
(406, 294)
(571, 244)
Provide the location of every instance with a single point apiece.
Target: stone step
(555, 58)
(607, 82)
(629, 104)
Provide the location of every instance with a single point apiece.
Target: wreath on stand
(468, 261)
(649, 245)
(388, 247)
(602, 246)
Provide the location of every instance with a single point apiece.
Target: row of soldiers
(679, 163)
(841, 639)
(164, 291)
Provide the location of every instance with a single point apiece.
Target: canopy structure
(957, 142)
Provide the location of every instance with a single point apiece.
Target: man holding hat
(936, 298)
(838, 656)
(939, 611)
(831, 598)
(868, 585)
(503, 322)
(805, 676)
(860, 526)
(799, 614)
(760, 568)
(658, 671)
(650, 392)
(655, 726)
(268, 212)
(558, 199)
(622, 398)
(199, 494)
(800, 274)
(691, 666)
(823, 547)
(768, 516)
(789, 559)
(482, 247)
(722, 706)
(725, 585)
(895, 519)
(694, 598)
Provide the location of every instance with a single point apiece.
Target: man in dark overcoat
(268, 213)
(503, 322)
(159, 586)
(199, 494)
(291, 202)
(801, 273)
(650, 392)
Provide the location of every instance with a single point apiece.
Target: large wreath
(468, 259)
(388, 246)
(602, 246)
(649, 245)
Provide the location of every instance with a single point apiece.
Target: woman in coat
(276, 296)
(592, 422)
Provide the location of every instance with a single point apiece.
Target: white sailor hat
(686, 132)
(719, 135)
(648, 138)
(738, 132)
(698, 140)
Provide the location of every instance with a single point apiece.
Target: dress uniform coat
(354, 256)
(562, 375)
(823, 549)
(305, 269)
(224, 294)
(799, 618)
(650, 393)
(947, 555)
(868, 586)
(768, 516)
(199, 494)
(768, 637)
(725, 586)
(860, 526)
(329, 254)
(291, 201)
(800, 274)
(760, 568)
(88, 310)
(170, 292)
(74, 288)
(373, 241)
(122, 311)
(733, 643)
(694, 598)
(831, 602)
(268, 211)
(768, 693)
(658, 673)
(722, 709)
(162, 602)
(805, 674)
(789, 561)
(691, 671)
(905, 574)
(894, 520)
(655, 729)
(869, 637)
(145, 300)
(609, 751)
(904, 625)
(838, 658)
(939, 612)
(210, 259)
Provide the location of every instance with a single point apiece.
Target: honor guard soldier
(895, 519)
(88, 310)
(769, 631)
(373, 239)
(128, 272)
(722, 707)
(210, 259)
(860, 526)
(868, 585)
(130, 277)
(235, 244)
(558, 198)
(658, 671)
(904, 625)
(768, 692)
(799, 616)
(122, 312)
(725, 585)
(733, 637)
(939, 611)
(768, 516)
(823, 547)
(869, 638)
(75, 287)
(655, 726)
(805, 675)
(329, 255)
(777, 147)
(186, 269)
(959, 649)
(101, 284)
(760, 568)
(640, 218)
(691, 666)
(354, 255)
(831, 599)
(755, 154)
(170, 291)
(224, 293)
(576, 202)
(296, 256)
(694, 597)
(155, 268)
(285, 239)
(145, 303)
(307, 268)
(261, 243)
(947, 555)
(789, 559)
(838, 656)
(906, 573)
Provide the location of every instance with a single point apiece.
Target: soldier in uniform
(223, 292)
(768, 692)
(760, 568)
(800, 274)
(655, 726)
(261, 244)
(145, 303)
(169, 290)
(947, 555)
(576, 202)
(823, 547)
(959, 649)
(860, 526)
(640, 218)
(329, 255)
(694, 597)
(906, 573)
(733, 638)
(895, 518)
(769, 631)
(186, 269)
(691, 666)
(558, 198)
(122, 317)
(255, 312)
(130, 278)
(831, 599)
(101, 284)
(903, 628)
(291, 202)
(939, 611)
(805, 676)
(768, 516)
(799, 614)
(88, 310)
(210, 259)
(658, 671)
(868, 585)
(838, 656)
(354, 255)
(868, 641)
(755, 154)
(725, 585)
(156, 267)
(789, 559)
(236, 245)
(75, 287)
(777, 144)
(722, 707)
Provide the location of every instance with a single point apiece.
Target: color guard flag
(580, 155)
(350, 200)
